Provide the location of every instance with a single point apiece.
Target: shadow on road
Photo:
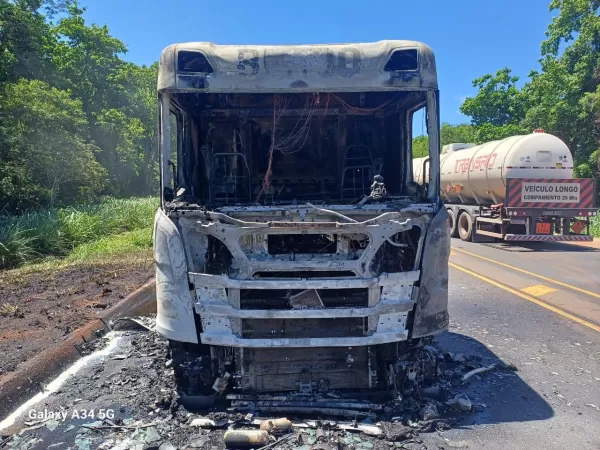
(541, 247)
(507, 397)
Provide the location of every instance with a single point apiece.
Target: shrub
(56, 232)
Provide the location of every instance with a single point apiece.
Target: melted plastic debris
(148, 413)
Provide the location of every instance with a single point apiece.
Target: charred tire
(193, 373)
(453, 227)
(465, 226)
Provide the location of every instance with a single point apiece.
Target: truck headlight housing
(174, 305)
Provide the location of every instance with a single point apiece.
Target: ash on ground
(129, 400)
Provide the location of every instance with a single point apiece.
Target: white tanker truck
(518, 189)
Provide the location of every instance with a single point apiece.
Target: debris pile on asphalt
(137, 383)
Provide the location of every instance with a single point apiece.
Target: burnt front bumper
(384, 318)
(250, 307)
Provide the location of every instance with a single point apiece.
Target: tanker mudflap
(431, 310)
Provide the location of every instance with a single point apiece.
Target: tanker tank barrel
(476, 174)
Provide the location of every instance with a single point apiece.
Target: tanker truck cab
(293, 248)
(517, 189)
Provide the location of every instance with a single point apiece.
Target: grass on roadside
(131, 242)
(595, 227)
(77, 231)
(8, 310)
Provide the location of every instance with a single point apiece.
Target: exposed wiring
(396, 244)
(269, 173)
(361, 111)
(296, 139)
(324, 115)
(335, 213)
(299, 134)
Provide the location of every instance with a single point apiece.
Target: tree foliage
(563, 97)
(76, 120)
(462, 133)
(23, 41)
(449, 134)
(45, 158)
(498, 102)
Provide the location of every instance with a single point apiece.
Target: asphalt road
(545, 326)
(559, 275)
(534, 306)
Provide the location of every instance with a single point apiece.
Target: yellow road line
(541, 277)
(538, 290)
(529, 298)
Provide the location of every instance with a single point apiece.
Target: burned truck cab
(294, 251)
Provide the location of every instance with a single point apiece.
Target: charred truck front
(294, 250)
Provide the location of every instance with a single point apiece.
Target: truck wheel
(453, 228)
(465, 226)
(192, 369)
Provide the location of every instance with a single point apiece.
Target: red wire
(269, 172)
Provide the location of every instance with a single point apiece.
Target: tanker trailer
(517, 189)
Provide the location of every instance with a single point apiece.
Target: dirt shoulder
(41, 305)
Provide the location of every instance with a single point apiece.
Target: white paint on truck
(476, 174)
(550, 192)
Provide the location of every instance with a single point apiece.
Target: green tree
(449, 134)
(420, 146)
(23, 41)
(44, 159)
(563, 97)
(89, 60)
(575, 18)
(498, 102)
(138, 85)
(76, 120)
(461, 133)
(119, 99)
(564, 94)
(123, 139)
(488, 132)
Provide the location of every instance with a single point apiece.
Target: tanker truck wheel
(465, 226)
(453, 227)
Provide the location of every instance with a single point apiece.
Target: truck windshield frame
(358, 100)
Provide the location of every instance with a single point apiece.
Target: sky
(469, 37)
